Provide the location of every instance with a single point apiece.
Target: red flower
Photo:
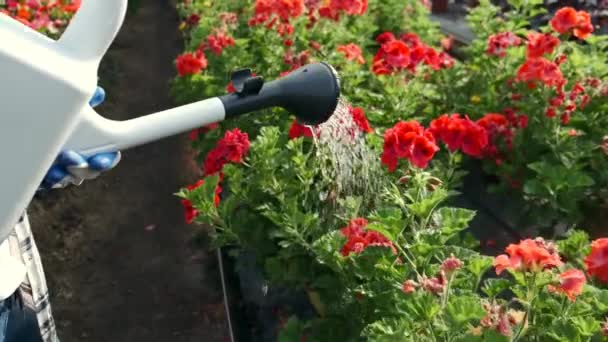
(408, 140)
(540, 70)
(219, 41)
(597, 261)
(423, 151)
(358, 239)
(411, 39)
(352, 52)
(396, 54)
(333, 8)
(190, 212)
(385, 37)
(296, 130)
(565, 118)
(359, 118)
(498, 43)
(191, 63)
(451, 264)
(564, 20)
(315, 45)
(568, 19)
(447, 43)
(605, 328)
(460, 133)
(409, 286)
(435, 284)
(270, 10)
(571, 284)
(231, 148)
(528, 255)
(475, 139)
(193, 20)
(540, 44)
(449, 129)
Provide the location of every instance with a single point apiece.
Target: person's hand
(72, 168)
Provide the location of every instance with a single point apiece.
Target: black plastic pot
(257, 310)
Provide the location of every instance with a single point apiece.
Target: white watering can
(45, 87)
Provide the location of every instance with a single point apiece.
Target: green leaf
(423, 306)
(462, 309)
(575, 246)
(479, 265)
(382, 230)
(292, 331)
(454, 220)
(586, 326)
(424, 207)
(494, 286)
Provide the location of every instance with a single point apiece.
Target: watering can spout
(311, 93)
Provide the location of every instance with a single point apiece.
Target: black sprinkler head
(311, 93)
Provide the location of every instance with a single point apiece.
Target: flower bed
(372, 239)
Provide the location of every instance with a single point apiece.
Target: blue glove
(72, 168)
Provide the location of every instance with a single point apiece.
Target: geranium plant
(547, 90)
(356, 214)
(396, 264)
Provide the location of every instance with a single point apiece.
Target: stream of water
(348, 160)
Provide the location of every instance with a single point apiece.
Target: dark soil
(119, 258)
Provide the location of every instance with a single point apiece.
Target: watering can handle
(93, 29)
(96, 134)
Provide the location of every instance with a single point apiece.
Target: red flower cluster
(297, 130)
(498, 43)
(451, 264)
(408, 140)
(498, 319)
(190, 212)
(360, 119)
(333, 8)
(358, 239)
(528, 255)
(568, 19)
(407, 52)
(232, 148)
(46, 16)
(540, 70)
(571, 284)
(478, 139)
(191, 63)
(296, 60)
(460, 134)
(352, 52)
(270, 11)
(219, 41)
(540, 44)
(597, 261)
(567, 102)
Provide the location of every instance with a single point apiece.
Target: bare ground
(119, 258)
